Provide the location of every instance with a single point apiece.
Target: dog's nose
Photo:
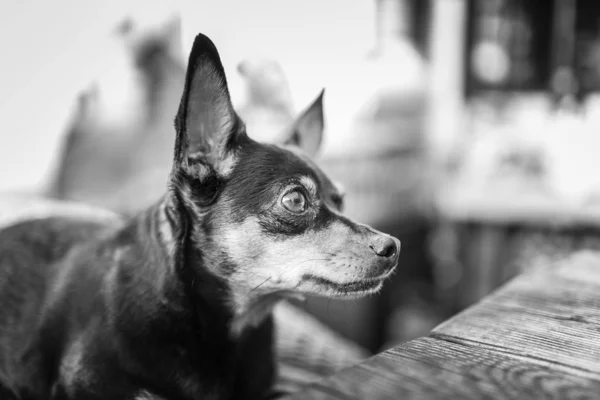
(386, 247)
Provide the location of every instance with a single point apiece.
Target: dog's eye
(294, 201)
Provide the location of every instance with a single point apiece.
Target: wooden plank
(435, 369)
(583, 266)
(551, 315)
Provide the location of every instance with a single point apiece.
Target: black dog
(175, 303)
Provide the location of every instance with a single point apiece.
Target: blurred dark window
(421, 13)
(529, 45)
(508, 45)
(587, 45)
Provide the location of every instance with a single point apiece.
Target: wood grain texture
(551, 314)
(538, 337)
(435, 369)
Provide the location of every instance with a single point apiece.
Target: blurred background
(464, 128)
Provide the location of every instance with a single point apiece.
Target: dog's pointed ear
(208, 128)
(307, 130)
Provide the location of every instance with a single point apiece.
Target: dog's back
(29, 276)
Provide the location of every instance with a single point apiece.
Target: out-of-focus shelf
(515, 205)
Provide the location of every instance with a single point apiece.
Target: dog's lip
(361, 286)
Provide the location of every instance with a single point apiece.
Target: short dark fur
(108, 310)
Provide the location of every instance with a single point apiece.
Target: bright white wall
(53, 49)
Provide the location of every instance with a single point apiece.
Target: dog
(175, 302)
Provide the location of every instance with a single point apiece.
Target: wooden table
(538, 337)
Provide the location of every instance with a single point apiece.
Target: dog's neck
(163, 297)
(176, 272)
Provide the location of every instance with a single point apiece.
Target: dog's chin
(325, 287)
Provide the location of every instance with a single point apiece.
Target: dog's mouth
(354, 288)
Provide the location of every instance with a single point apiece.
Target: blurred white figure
(118, 151)
(52, 51)
(267, 108)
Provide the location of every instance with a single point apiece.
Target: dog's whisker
(259, 285)
(313, 260)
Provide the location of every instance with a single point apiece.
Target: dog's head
(264, 217)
